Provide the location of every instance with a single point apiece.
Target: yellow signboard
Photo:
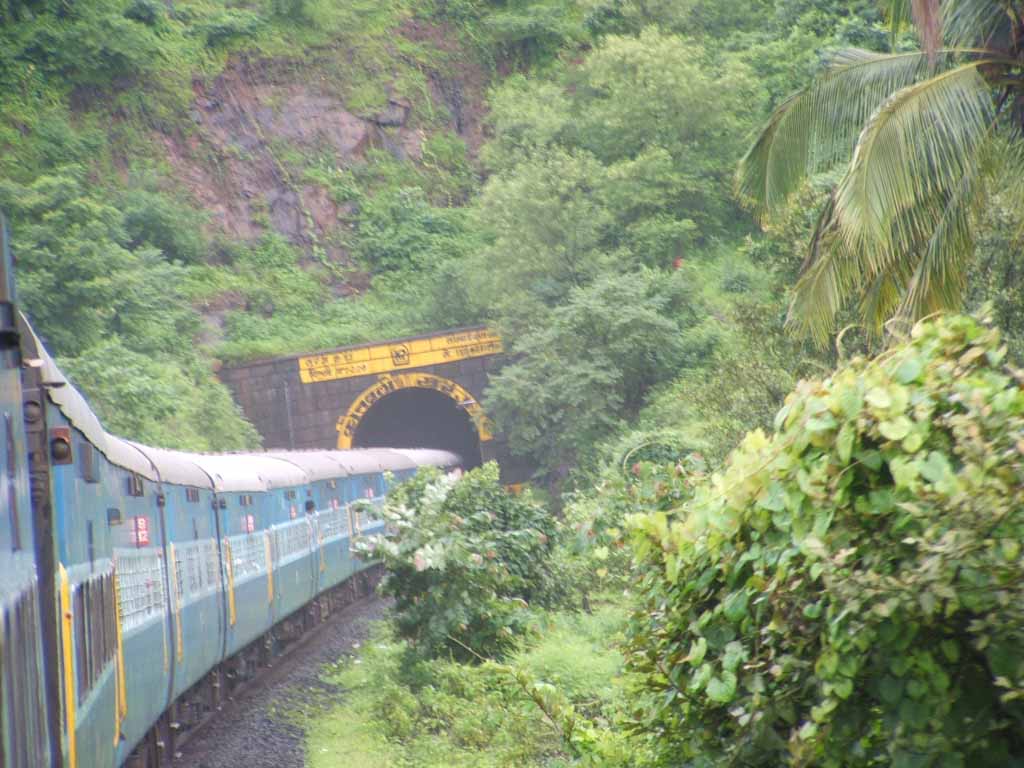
(384, 358)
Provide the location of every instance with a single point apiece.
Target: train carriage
(134, 580)
(28, 730)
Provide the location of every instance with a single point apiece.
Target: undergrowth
(398, 711)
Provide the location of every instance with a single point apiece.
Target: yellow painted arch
(390, 383)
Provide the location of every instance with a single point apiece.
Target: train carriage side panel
(26, 731)
(193, 555)
(102, 510)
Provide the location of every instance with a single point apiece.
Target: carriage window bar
(245, 500)
(192, 494)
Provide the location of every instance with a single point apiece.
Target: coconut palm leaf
(985, 23)
(817, 127)
(898, 226)
(938, 126)
(939, 279)
(829, 274)
(913, 153)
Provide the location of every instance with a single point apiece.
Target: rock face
(246, 120)
(254, 120)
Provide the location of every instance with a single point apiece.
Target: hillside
(197, 182)
(220, 157)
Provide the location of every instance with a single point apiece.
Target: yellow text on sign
(383, 358)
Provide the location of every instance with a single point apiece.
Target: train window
(21, 691)
(95, 627)
(245, 500)
(12, 484)
(332, 483)
(289, 494)
(87, 462)
(134, 485)
(114, 516)
(192, 494)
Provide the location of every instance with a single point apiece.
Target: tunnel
(419, 418)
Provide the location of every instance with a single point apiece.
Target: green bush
(850, 591)
(465, 561)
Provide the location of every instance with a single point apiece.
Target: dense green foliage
(932, 133)
(848, 591)
(112, 306)
(590, 367)
(843, 593)
(443, 714)
(466, 559)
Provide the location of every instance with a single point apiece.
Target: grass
(398, 712)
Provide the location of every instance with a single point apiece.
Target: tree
(577, 376)
(465, 559)
(931, 131)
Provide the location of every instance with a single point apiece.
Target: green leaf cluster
(466, 561)
(850, 590)
(111, 303)
(591, 365)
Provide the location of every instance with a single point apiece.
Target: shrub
(465, 560)
(850, 591)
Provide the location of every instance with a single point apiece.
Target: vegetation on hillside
(843, 592)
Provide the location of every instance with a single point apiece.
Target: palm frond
(818, 127)
(939, 279)
(880, 299)
(899, 225)
(899, 16)
(978, 24)
(911, 157)
(828, 276)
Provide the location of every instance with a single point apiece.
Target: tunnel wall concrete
(293, 414)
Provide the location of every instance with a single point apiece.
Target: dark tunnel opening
(420, 418)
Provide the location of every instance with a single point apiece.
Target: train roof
(368, 461)
(318, 465)
(248, 471)
(75, 407)
(175, 467)
(431, 457)
(222, 472)
(326, 465)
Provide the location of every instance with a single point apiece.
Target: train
(138, 585)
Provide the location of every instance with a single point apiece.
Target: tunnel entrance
(419, 418)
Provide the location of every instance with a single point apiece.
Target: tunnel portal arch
(416, 410)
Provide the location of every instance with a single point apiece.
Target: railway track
(217, 723)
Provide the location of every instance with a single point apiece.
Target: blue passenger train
(138, 584)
